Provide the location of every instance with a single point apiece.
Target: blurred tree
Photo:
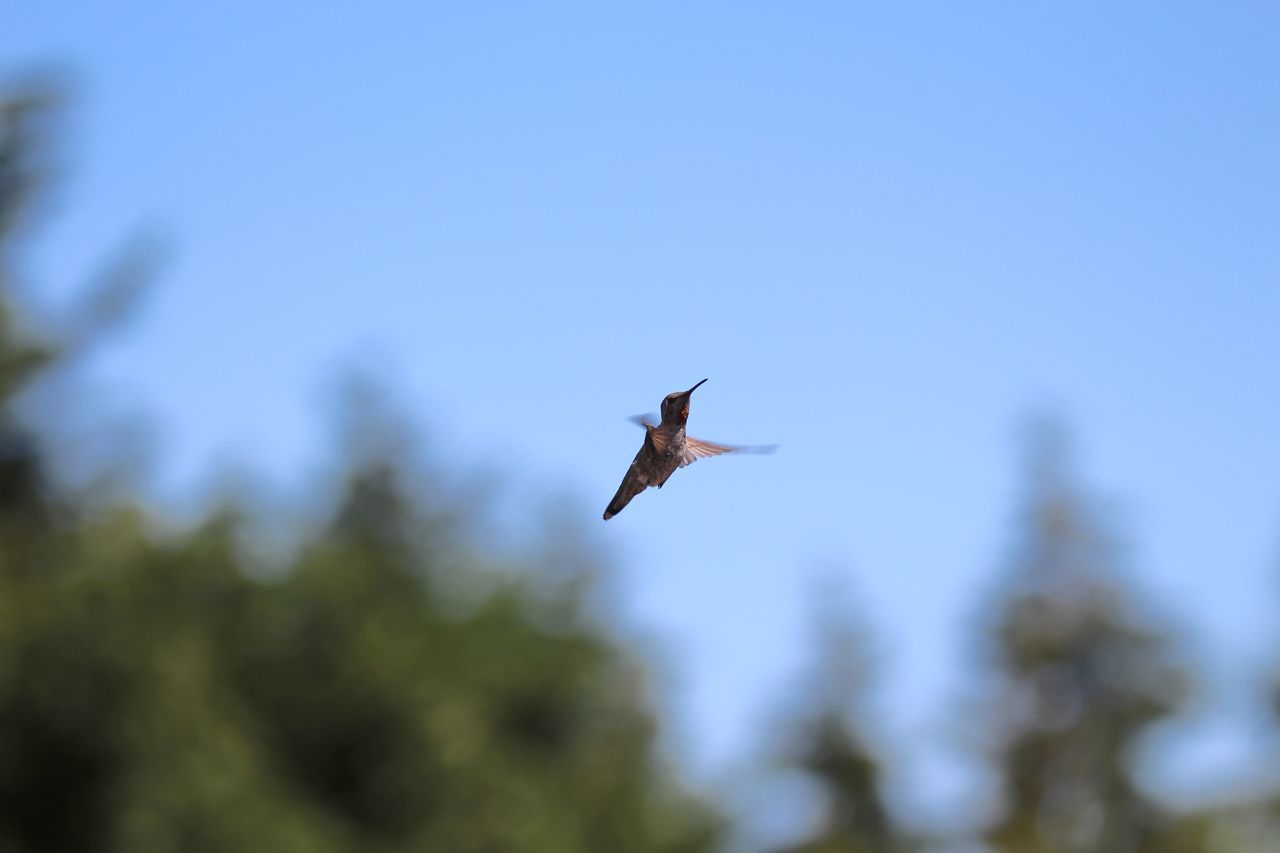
(832, 746)
(155, 696)
(23, 500)
(1081, 680)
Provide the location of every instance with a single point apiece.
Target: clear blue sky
(885, 234)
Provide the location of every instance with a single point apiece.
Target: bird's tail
(632, 485)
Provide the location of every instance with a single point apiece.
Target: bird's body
(666, 447)
(656, 461)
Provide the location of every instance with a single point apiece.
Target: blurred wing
(696, 448)
(646, 420)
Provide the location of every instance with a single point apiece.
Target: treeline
(388, 687)
(1077, 672)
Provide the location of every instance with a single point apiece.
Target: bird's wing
(696, 448)
(658, 438)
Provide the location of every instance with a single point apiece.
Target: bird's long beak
(694, 388)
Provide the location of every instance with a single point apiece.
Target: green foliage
(856, 820)
(832, 747)
(1083, 679)
(155, 695)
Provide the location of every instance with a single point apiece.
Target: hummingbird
(666, 448)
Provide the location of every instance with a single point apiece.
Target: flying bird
(666, 448)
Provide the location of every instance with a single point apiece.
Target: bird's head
(675, 406)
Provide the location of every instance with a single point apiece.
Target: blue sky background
(887, 234)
